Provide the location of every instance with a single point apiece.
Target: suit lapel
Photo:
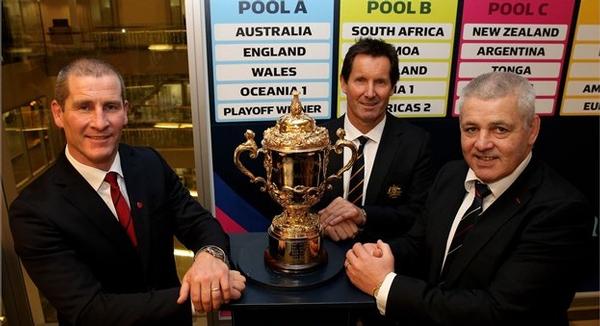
(501, 211)
(136, 184)
(78, 192)
(442, 217)
(390, 143)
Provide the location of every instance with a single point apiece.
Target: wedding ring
(216, 289)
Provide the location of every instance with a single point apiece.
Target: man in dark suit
(99, 245)
(502, 235)
(396, 154)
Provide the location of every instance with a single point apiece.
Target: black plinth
(251, 263)
(334, 302)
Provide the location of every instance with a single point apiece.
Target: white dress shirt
(95, 177)
(369, 152)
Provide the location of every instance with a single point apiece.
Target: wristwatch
(215, 252)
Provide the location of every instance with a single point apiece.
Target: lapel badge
(394, 191)
(139, 204)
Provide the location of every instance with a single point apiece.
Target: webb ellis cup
(296, 154)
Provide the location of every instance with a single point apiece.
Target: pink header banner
(528, 38)
(518, 11)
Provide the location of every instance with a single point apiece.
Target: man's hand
(373, 249)
(208, 284)
(368, 264)
(341, 210)
(341, 231)
(238, 284)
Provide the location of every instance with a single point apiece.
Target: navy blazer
(518, 266)
(400, 178)
(80, 257)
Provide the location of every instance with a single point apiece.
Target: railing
(25, 46)
(159, 138)
(127, 39)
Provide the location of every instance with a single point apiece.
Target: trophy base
(282, 267)
(249, 261)
(298, 254)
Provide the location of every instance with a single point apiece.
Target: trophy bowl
(295, 158)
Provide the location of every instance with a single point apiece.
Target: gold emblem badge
(394, 191)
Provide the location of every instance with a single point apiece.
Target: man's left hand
(368, 264)
(207, 282)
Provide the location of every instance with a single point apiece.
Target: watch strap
(214, 251)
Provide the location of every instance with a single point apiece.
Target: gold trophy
(296, 155)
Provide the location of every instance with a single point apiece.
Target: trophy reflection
(296, 155)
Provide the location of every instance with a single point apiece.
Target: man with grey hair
(502, 235)
(95, 231)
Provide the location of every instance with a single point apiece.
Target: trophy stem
(298, 214)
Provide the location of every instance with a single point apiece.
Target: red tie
(123, 212)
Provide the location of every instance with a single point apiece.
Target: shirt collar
(374, 134)
(92, 175)
(501, 185)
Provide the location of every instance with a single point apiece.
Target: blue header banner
(262, 51)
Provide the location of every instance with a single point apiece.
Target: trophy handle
(249, 145)
(338, 148)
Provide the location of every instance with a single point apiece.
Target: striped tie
(357, 176)
(467, 222)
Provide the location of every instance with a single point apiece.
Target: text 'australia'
(250, 31)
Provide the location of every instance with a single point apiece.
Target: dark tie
(357, 176)
(121, 207)
(467, 222)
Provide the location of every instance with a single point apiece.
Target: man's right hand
(341, 231)
(341, 210)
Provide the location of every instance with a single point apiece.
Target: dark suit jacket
(80, 257)
(403, 160)
(518, 266)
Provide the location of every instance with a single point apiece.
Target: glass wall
(144, 39)
(31, 142)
